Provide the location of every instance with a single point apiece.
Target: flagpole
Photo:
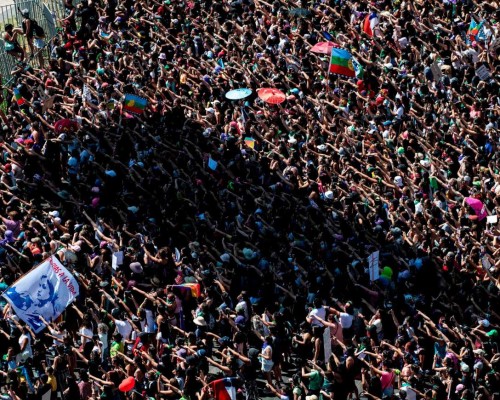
(328, 71)
(24, 273)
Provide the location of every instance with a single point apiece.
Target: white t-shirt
(103, 337)
(319, 312)
(28, 351)
(150, 319)
(378, 325)
(346, 320)
(123, 328)
(87, 332)
(57, 334)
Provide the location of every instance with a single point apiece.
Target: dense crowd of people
(272, 209)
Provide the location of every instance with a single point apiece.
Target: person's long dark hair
(53, 294)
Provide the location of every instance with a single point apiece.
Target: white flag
(44, 291)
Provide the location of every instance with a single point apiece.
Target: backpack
(38, 31)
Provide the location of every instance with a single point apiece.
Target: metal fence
(45, 13)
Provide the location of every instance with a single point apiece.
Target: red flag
(224, 389)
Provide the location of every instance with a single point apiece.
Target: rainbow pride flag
(250, 142)
(187, 289)
(134, 104)
(19, 97)
(341, 63)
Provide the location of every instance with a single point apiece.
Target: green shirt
(116, 347)
(315, 381)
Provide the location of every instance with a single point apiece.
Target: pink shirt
(387, 379)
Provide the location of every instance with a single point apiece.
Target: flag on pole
(134, 104)
(224, 389)
(475, 31)
(19, 97)
(369, 24)
(24, 373)
(341, 63)
(44, 291)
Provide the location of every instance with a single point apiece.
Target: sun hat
(200, 321)
(136, 267)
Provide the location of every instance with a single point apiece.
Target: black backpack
(37, 30)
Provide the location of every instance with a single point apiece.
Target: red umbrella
(65, 125)
(127, 384)
(271, 95)
(323, 47)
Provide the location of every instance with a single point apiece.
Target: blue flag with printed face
(45, 292)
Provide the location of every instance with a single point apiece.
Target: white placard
(327, 344)
(483, 72)
(486, 263)
(492, 219)
(117, 259)
(373, 267)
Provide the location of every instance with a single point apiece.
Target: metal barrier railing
(45, 13)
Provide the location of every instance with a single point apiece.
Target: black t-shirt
(151, 387)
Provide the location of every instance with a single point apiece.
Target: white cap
(398, 181)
